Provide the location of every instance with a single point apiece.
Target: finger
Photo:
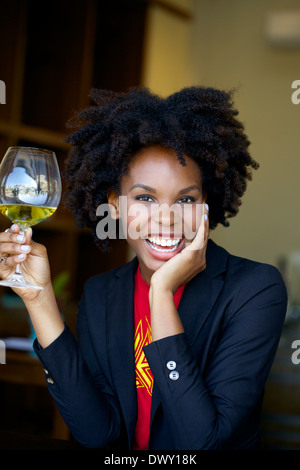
(206, 221)
(15, 228)
(13, 260)
(28, 236)
(9, 232)
(201, 236)
(16, 248)
(14, 235)
(13, 245)
(7, 265)
(204, 240)
(11, 240)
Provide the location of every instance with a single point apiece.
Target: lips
(164, 248)
(163, 244)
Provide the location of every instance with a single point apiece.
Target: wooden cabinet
(51, 55)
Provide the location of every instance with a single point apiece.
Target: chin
(152, 259)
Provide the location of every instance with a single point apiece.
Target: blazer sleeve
(216, 409)
(82, 395)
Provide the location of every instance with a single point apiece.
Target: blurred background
(52, 53)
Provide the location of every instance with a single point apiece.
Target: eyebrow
(190, 188)
(152, 190)
(143, 186)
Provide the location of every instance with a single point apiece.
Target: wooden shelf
(35, 134)
(59, 51)
(53, 53)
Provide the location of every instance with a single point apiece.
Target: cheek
(135, 220)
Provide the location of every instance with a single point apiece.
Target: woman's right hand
(32, 256)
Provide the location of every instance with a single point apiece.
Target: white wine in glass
(30, 192)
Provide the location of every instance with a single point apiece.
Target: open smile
(164, 245)
(164, 248)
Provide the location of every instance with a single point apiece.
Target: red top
(144, 377)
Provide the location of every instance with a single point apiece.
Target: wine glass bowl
(30, 192)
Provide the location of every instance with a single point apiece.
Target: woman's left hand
(180, 269)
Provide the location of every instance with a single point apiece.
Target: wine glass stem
(18, 267)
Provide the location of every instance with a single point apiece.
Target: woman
(174, 348)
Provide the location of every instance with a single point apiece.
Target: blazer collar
(202, 291)
(197, 301)
(216, 259)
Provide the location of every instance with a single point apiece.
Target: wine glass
(30, 191)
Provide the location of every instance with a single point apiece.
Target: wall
(223, 45)
(230, 50)
(168, 53)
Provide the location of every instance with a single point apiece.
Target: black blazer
(232, 314)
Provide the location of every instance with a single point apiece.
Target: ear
(114, 207)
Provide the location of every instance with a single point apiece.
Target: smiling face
(161, 203)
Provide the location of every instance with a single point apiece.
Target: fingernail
(21, 256)
(20, 238)
(207, 208)
(13, 227)
(25, 248)
(205, 216)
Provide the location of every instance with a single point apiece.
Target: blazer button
(174, 375)
(50, 381)
(171, 365)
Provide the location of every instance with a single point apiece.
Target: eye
(144, 198)
(186, 200)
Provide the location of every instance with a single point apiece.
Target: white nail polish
(20, 238)
(25, 248)
(21, 256)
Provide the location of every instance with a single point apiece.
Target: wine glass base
(19, 281)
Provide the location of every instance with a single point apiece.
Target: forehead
(158, 164)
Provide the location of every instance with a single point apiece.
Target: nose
(165, 218)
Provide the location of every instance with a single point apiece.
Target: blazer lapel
(201, 293)
(121, 341)
(198, 299)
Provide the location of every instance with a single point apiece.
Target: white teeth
(164, 242)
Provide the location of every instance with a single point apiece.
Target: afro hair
(197, 121)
